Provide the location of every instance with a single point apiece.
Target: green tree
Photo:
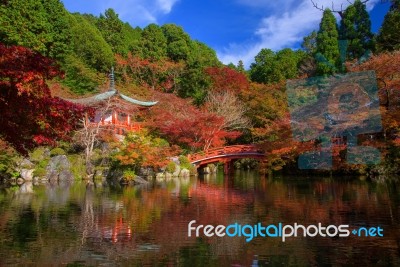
(153, 43)
(177, 42)
(94, 51)
(287, 63)
(90, 57)
(389, 34)
(263, 66)
(355, 28)
(327, 51)
(131, 37)
(111, 27)
(119, 35)
(40, 25)
(240, 67)
(271, 67)
(194, 83)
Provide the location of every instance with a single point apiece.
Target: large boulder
(177, 171)
(26, 168)
(140, 180)
(27, 174)
(59, 169)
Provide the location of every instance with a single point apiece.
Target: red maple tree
(30, 116)
(227, 79)
(182, 123)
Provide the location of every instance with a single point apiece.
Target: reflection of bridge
(226, 155)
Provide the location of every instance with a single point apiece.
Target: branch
(340, 12)
(317, 7)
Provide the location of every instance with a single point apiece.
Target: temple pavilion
(114, 110)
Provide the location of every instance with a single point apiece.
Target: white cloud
(286, 27)
(138, 12)
(166, 5)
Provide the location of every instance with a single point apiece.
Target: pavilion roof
(96, 99)
(111, 93)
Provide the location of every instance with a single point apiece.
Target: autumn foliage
(30, 116)
(141, 149)
(157, 75)
(227, 79)
(387, 70)
(182, 123)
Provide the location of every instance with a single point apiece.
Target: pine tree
(355, 28)
(327, 51)
(240, 67)
(389, 34)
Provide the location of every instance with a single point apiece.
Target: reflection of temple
(113, 109)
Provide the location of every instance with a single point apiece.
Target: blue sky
(236, 29)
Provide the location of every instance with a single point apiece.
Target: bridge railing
(235, 149)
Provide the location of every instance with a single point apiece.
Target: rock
(184, 173)
(26, 164)
(160, 176)
(140, 180)
(58, 169)
(177, 171)
(175, 160)
(27, 174)
(65, 175)
(146, 171)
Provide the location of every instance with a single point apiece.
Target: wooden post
(227, 166)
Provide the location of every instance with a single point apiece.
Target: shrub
(171, 167)
(129, 175)
(39, 172)
(57, 152)
(184, 162)
(38, 154)
(78, 167)
(193, 170)
(8, 158)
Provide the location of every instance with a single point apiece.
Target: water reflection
(102, 224)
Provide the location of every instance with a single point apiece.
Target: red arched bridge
(226, 155)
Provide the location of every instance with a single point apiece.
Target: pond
(107, 225)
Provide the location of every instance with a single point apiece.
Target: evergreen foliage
(355, 28)
(327, 50)
(389, 34)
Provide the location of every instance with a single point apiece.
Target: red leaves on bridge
(29, 114)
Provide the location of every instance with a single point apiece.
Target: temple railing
(119, 127)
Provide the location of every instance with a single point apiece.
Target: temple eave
(96, 99)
